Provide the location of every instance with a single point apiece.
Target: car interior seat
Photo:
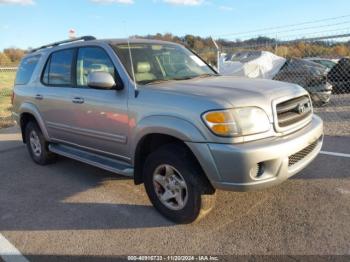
(143, 72)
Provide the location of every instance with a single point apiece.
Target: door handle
(78, 100)
(39, 97)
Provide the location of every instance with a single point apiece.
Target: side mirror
(102, 80)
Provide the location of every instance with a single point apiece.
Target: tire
(192, 196)
(37, 146)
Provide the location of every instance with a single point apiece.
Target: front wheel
(176, 184)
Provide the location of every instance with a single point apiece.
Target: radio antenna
(131, 62)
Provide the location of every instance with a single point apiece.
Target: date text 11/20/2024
(173, 258)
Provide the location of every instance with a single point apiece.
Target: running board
(102, 162)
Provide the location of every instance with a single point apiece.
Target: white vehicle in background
(252, 64)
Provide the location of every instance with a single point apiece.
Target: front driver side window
(92, 59)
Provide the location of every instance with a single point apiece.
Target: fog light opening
(260, 169)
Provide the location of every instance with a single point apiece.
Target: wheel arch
(156, 131)
(150, 143)
(29, 112)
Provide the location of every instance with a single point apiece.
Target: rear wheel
(37, 145)
(176, 184)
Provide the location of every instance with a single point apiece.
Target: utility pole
(217, 54)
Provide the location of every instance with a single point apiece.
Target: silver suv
(155, 111)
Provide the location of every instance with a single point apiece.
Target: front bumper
(259, 164)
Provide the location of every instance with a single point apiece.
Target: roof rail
(83, 38)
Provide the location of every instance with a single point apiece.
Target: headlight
(237, 122)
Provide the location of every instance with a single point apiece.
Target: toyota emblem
(303, 107)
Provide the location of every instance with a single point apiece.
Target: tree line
(301, 49)
(205, 47)
(11, 56)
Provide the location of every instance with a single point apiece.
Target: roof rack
(83, 38)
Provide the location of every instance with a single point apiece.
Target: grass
(6, 85)
(7, 79)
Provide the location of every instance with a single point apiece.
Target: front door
(100, 117)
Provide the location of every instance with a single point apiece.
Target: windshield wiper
(197, 76)
(157, 81)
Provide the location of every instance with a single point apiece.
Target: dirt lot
(70, 210)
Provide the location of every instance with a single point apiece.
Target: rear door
(54, 97)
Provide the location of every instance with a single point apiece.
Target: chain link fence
(321, 65)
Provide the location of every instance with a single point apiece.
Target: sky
(31, 23)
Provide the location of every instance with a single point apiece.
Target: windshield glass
(326, 63)
(161, 62)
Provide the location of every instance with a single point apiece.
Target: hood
(234, 90)
(237, 92)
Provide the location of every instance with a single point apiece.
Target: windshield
(326, 63)
(161, 62)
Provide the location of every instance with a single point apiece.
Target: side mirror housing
(102, 80)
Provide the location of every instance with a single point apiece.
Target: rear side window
(58, 69)
(26, 69)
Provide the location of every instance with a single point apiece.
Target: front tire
(37, 145)
(176, 185)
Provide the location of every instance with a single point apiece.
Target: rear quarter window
(26, 69)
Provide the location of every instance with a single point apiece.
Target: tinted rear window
(58, 70)
(26, 69)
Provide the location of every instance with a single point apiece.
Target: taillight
(12, 97)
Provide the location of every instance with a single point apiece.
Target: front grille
(297, 157)
(293, 111)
